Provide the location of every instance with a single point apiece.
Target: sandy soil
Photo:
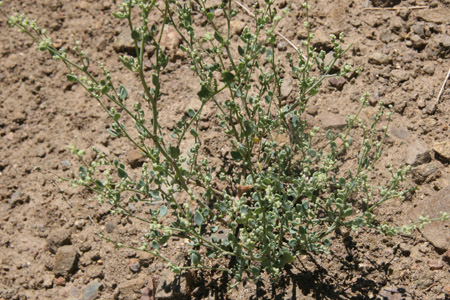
(404, 55)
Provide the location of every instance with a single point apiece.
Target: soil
(48, 243)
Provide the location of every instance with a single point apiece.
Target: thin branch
(396, 8)
(442, 88)
(277, 32)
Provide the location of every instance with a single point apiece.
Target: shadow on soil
(314, 281)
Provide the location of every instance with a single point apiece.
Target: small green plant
(281, 198)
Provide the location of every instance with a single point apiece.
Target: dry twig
(442, 88)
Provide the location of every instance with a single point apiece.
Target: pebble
(417, 154)
(442, 149)
(286, 87)
(134, 265)
(91, 291)
(437, 16)
(17, 198)
(332, 121)
(237, 27)
(421, 173)
(435, 265)
(58, 238)
(47, 281)
(282, 46)
(426, 280)
(429, 68)
(338, 83)
(65, 260)
(379, 58)
(124, 43)
(171, 41)
(60, 281)
(400, 75)
(437, 232)
(135, 158)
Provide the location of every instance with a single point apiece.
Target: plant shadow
(358, 278)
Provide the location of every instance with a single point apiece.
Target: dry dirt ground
(48, 246)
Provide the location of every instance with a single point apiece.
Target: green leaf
(228, 77)
(121, 172)
(198, 219)
(210, 16)
(195, 257)
(123, 94)
(218, 37)
(286, 258)
(99, 184)
(241, 51)
(116, 117)
(236, 155)
(128, 65)
(155, 245)
(72, 78)
(191, 112)
(82, 172)
(154, 194)
(135, 35)
(163, 211)
(194, 133)
(174, 152)
(204, 92)
(163, 239)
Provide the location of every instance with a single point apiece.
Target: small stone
(338, 83)
(60, 281)
(110, 226)
(171, 41)
(48, 281)
(332, 121)
(419, 29)
(95, 271)
(437, 232)
(282, 46)
(442, 149)
(91, 291)
(417, 154)
(429, 68)
(437, 16)
(135, 158)
(399, 132)
(65, 163)
(134, 265)
(400, 75)
(286, 87)
(65, 260)
(171, 286)
(436, 265)
(17, 198)
(379, 58)
(237, 27)
(58, 238)
(312, 110)
(124, 43)
(417, 42)
(421, 173)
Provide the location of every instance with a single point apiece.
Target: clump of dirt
(48, 246)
